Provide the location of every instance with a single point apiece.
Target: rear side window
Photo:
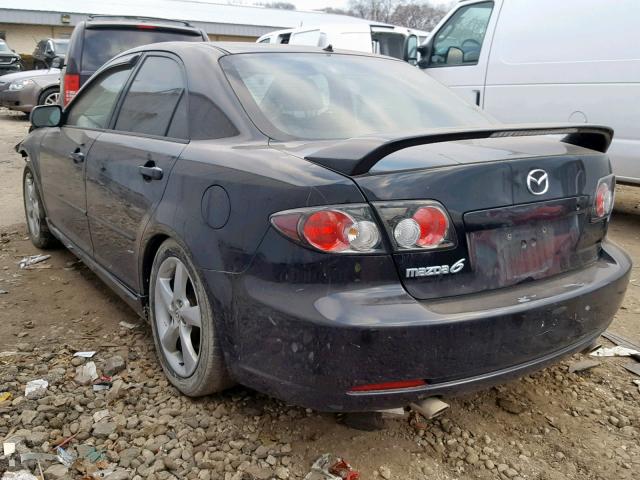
(153, 98)
(93, 109)
(102, 44)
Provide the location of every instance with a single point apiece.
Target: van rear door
(458, 51)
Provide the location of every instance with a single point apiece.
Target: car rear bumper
(310, 346)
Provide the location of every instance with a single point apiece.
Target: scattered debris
(99, 387)
(66, 458)
(3, 292)
(128, 325)
(620, 340)
(36, 389)
(328, 467)
(101, 415)
(8, 448)
(4, 396)
(19, 475)
(617, 351)
(431, 407)
(84, 354)
(86, 374)
(28, 262)
(583, 365)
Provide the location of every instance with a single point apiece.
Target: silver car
(24, 90)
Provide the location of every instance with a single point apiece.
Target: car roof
(235, 48)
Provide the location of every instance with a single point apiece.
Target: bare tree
(408, 13)
(278, 5)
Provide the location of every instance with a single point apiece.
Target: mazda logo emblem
(538, 181)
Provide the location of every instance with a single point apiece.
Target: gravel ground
(552, 425)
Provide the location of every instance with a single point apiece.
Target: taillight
(603, 202)
(143, 26)
(71, 86)
(335, 229)
(417, 225)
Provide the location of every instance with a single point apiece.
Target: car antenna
(328, 48)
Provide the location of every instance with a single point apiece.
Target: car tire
(36, 218)
(184, 325)
(49, 97)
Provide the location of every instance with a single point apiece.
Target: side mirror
(57, 62)
(411, 49)
(425, 53)
(46, 116)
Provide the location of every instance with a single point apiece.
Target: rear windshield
(319, 96)
(102, 44)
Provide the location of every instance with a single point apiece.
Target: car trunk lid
(505, 234)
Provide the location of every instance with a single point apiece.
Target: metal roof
(213, 17)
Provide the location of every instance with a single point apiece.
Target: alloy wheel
(177, 316)
(52, 98)
(32, 205)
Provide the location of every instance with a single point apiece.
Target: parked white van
(398, 42)
(547, 61)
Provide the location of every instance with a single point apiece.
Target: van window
(311, 37)
(266, 40)
(459, 41)
(151, 101)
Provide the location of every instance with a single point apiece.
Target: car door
(458, 51)
(64, 152)
(129, 164)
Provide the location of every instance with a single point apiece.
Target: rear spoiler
(356, 156)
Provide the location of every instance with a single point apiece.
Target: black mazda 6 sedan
(334, 229)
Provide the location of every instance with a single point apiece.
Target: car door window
(153, 98)
(459, 41)
(94, 106)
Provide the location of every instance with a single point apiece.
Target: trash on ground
(66, 458)
(633, 368)
(27, 262)
(3, 292)
(4, 396)
(36, 389)
(86, 374)
(620, 340)
(98, 387)
(431, 407)
(583, 365)
(37, 457)
(8, 448)
(329, 467)
(128, 325)
(617, 351)
(19, 475)
(84, 354)
(393, 413)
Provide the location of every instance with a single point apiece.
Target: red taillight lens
(433, 224)
(71, 86)
(340, 229)
(373, 387)
(603, 204)
(142, 26)
(326, 230)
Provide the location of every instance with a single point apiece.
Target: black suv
(102, 37)
(47, 50)
(10, 61)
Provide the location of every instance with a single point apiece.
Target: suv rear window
(102, 44)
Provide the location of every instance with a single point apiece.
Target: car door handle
(150, 172)
(77, 156)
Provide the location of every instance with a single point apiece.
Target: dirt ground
(547, 426)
